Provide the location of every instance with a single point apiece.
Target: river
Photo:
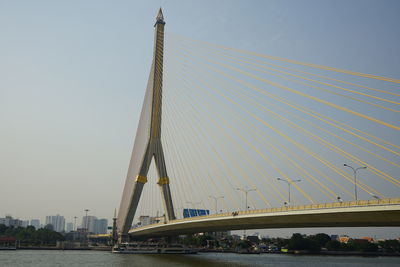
(44, 258)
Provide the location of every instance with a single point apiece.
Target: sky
(73, 76)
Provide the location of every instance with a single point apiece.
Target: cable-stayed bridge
(261, 142)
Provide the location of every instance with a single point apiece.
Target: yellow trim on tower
(164, 180)
(141, 179)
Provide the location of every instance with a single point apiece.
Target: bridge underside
(338, 217)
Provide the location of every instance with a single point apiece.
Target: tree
(321, 239)
(299, 242)
(390, 245)
(30, 235)
(202, 240)
(49, 227)
(243, 244)
(3, 229)
(333, 245)
(362, 245)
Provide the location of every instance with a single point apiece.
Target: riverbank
(88, 258)
(319, 253)
(295, 252)
(51, 248)
(346, 253)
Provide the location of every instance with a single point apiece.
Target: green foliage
(362, 246)
(281, 242)
(49, 227)
(333, 245)
(3, 229)
(390, 245)
(300, 242)
(189, 240)
(200, 240)
(321, 239)
(31, 236)
(296, 242)
(243, 244)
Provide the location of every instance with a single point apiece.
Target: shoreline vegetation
(295, 252)
(320, 244)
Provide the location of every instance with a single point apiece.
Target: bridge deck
(382, 212)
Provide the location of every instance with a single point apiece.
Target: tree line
(31, 236)
(312, 243)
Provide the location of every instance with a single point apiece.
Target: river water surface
(49, 258)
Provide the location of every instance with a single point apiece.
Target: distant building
(147, 220)
(94, 225)
(222, 234)
(88, 223)
(78, 235)
(35, 223)
(144, 220)
(25, 223)
(10, 221)
(57, 221)
(100, 226)
(334, 237)
(369, 239)
(70, 227)
(344, 239)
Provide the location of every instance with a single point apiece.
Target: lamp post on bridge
(289, 183)
(216, 202)
(355, 177)
(246, 192)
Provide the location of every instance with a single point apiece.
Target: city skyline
(73, 88)
(59, 223)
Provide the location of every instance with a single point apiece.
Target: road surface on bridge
(363, 213)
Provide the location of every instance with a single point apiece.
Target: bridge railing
(332, 205)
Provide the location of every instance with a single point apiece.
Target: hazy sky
(73, 75)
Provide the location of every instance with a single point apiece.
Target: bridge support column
(154, 146)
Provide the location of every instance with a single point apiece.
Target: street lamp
(75, 222)
(289, 183)
(246, 192)
(355, 177)
(216, 202)
(86, 221)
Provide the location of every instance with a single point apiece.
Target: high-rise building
(70, 227)
(57, 221)
(25, 223)
(10, 221)
(100, 226)
(94, 225)
(35, 223)
(88, 223)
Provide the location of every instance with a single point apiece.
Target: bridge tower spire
(140, 164)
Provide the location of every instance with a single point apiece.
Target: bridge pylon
(140, 161)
